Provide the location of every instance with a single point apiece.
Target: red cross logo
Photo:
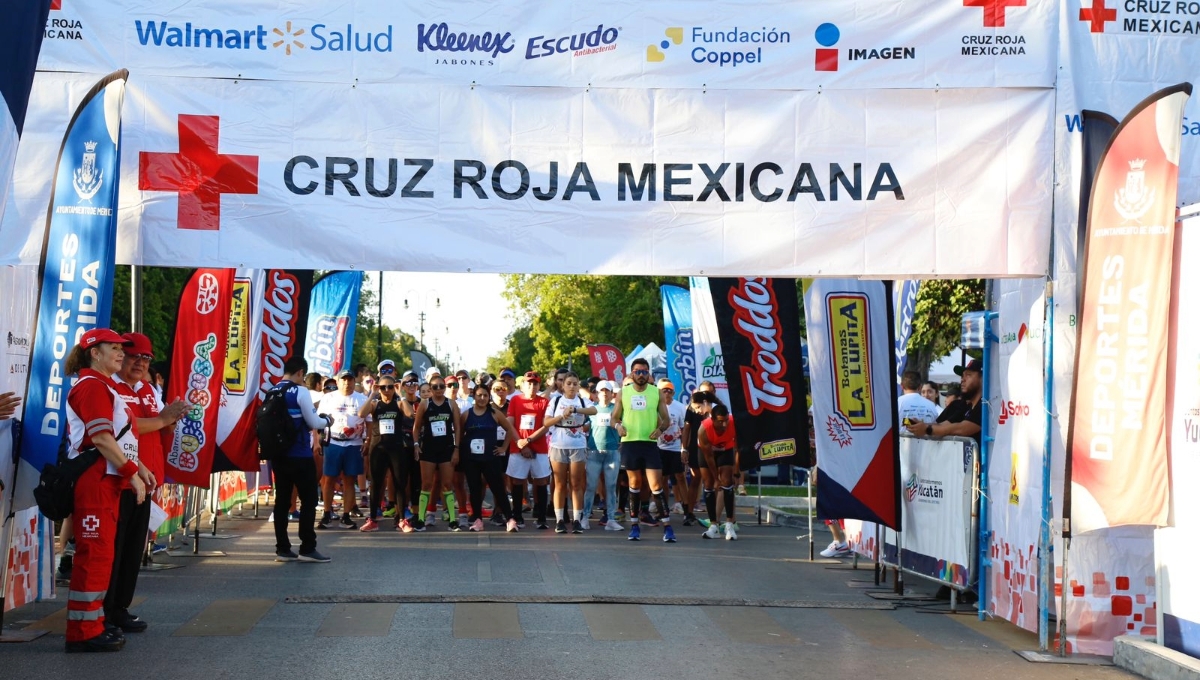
(91, 523)
(199, 173)
(1097, 15)
(55, 5)
(993, 10)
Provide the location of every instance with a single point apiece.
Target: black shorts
(437, 457)
(672, 463)
(640, 456)
(725, 458)
(694, 459)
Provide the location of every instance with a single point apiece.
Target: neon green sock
(423, 507)
(451, 505)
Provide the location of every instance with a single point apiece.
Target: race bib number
(500, 433)
(604, 419)
(387, 427)
(637, 402)
(528, 422)
(438, 427)
(477, 447)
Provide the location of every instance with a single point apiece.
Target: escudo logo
(581, 44)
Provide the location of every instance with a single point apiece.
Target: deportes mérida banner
(759, 325)
(197, 359)
(332, 314)
(852, 367)
(677, 325)
(1117, 468)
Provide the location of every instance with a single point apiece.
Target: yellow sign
(237, 349)
(1014, 493)
(850, 344)
(777, 449)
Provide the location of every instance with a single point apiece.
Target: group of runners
(421, 441)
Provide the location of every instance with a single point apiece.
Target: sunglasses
(411, 382)
(438, 387)
(389, 388)
(386, 370)
(641, 371)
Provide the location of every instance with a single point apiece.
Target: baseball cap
(136, 343)
(606, 385)
(507, 372)
(972, 365)
(665, 384)
(432, 371)
(346, 374)
(409, 375)
(532, 376)
(385, 363)
(99, 335)
(452, 380)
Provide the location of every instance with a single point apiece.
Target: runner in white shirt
(566, 415)
(343, 455)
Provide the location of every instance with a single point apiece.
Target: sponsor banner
(1174, 547)
(231, 490)
(851, 354)
(1015, 466)
(171, 498)
(332, 314)
(77, 260)
(267, 309)
(905, 303)
(30, 559)
(939, 499)
(196, 376)
(742, 44)
(817, 201)
(758, 321)
(1117, 442)
(421, 362)
(20, 41)
(608, 363)
(710, 363)
(677, 323)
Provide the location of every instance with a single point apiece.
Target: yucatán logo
(923, 490)
(324, 38)
(580, 45)
(483, 48)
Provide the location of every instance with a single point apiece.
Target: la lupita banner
(77, 260)
(677, 326)
(332, 315)
(608, 363)
(267, 314)
(710, 363)
(851, 362)
(197, 358)
(1117, 454)
(758, 320)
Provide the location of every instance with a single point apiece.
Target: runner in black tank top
(436, 424)
(482, 444)
(410, 383)
(390, 453)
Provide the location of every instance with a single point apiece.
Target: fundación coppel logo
(658, 52)
(827, 36)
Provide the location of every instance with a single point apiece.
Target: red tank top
(720, 442)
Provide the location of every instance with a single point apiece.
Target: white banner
(938, 487)
(267, 174)
(742, 44)
(710, 362)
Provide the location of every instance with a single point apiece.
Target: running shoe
(741, 489)
(730, 532)
(477, 525)
(836, 549)
(677, 509)
(417, 525)
(295, 514)
(560, 527)
(585, 524)
(635, 533)
(357, 513)
(512, 526)
(454, 526)
(408, 514)
(668, 534)
(713, 531)
(324, 523)
(604, 518)
(520, 522)
(689, 519)
(648, 520)
(390, 512)
(619, 516)
(369, 525)
(576, 527)
(704, 523)
(404, 527)
(497, 519)
(286, 556)
(613, 525)
(348, 523)
(314, 556)
(542, 526)
(69, 548)
(430, 519)
(157, 548)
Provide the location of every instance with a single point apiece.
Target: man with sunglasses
(639, 417)
(527, 411)
(343, 455)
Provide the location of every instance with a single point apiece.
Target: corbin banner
(852, 365)
(332, 314)
(196, 376)
(677, 324)
(1117, 453)
(759, 325)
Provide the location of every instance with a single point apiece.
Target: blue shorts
(343, 459)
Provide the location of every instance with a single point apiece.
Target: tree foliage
(161, 288)
(937, 322)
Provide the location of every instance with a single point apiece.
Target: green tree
(937, 321)
(161, 288)
(517, 354)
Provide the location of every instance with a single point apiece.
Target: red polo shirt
(144, 404)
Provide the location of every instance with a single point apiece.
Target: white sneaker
(836, 549)
(653, 509)
(585, 524)
(730, 532)
(713, 531)
(677, 509)
(613, 525)
(271, 518)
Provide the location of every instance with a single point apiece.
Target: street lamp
(417, 303)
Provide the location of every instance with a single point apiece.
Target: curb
(1142, 655)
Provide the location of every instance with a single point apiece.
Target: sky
(472, 320)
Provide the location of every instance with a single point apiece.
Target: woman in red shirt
(97, 418)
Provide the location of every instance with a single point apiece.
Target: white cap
(432, 371)
(606, 385)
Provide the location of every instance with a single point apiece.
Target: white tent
(942, 370)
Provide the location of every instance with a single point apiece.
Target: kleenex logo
(439, 38)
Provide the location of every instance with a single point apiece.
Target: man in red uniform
(527, 411)
(155, 428)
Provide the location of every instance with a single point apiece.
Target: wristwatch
(929, 430)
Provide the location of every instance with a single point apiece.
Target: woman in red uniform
(98, 418)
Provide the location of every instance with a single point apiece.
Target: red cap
(99, 335)
(136, 343)
(533, 376)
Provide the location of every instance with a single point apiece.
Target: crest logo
(91, 523)
(207, 295)
(1136, 199)
(88, 179)
(911, 487)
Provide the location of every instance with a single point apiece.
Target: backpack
(55, 492)
(277, 431)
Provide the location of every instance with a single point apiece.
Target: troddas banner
(77, 265)
(677, 325)
(1117, 453)
(905, 304)
(197, 360)
(706, 339)
(20, 40)
(758, 320)
(267, 315)
(852, 368)
(332, 313)
(608, 362)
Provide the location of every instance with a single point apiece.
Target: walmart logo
(657, 52)
(165, 34)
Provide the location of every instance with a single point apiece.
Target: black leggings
(383, 460)
(492, 470)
